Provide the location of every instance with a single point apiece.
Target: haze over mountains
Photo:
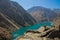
(43, 14)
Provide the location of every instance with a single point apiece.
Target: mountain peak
(15, 12)
(39, 12)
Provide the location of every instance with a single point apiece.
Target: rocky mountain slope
(12, 17)
(8, 23)
(14, 11)
(42, 14)
(7, 26)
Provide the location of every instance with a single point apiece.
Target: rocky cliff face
(50, 34)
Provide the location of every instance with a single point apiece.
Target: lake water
(21, 31)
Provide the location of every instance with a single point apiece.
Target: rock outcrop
(50, 34)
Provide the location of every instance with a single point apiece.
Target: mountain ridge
(16, 13)
(43, 13)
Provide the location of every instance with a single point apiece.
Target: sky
(26, 4)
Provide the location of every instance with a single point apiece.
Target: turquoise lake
(21, 31)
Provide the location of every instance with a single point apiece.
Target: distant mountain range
(43, 14)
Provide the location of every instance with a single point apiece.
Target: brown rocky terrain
(50, 34)
(5, 34)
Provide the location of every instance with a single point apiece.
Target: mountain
(7, 26)
(15, 12)
(57, 21)
(42, 14)
(57, 11)
(7, 23)
(12, 17)
(26, 16)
